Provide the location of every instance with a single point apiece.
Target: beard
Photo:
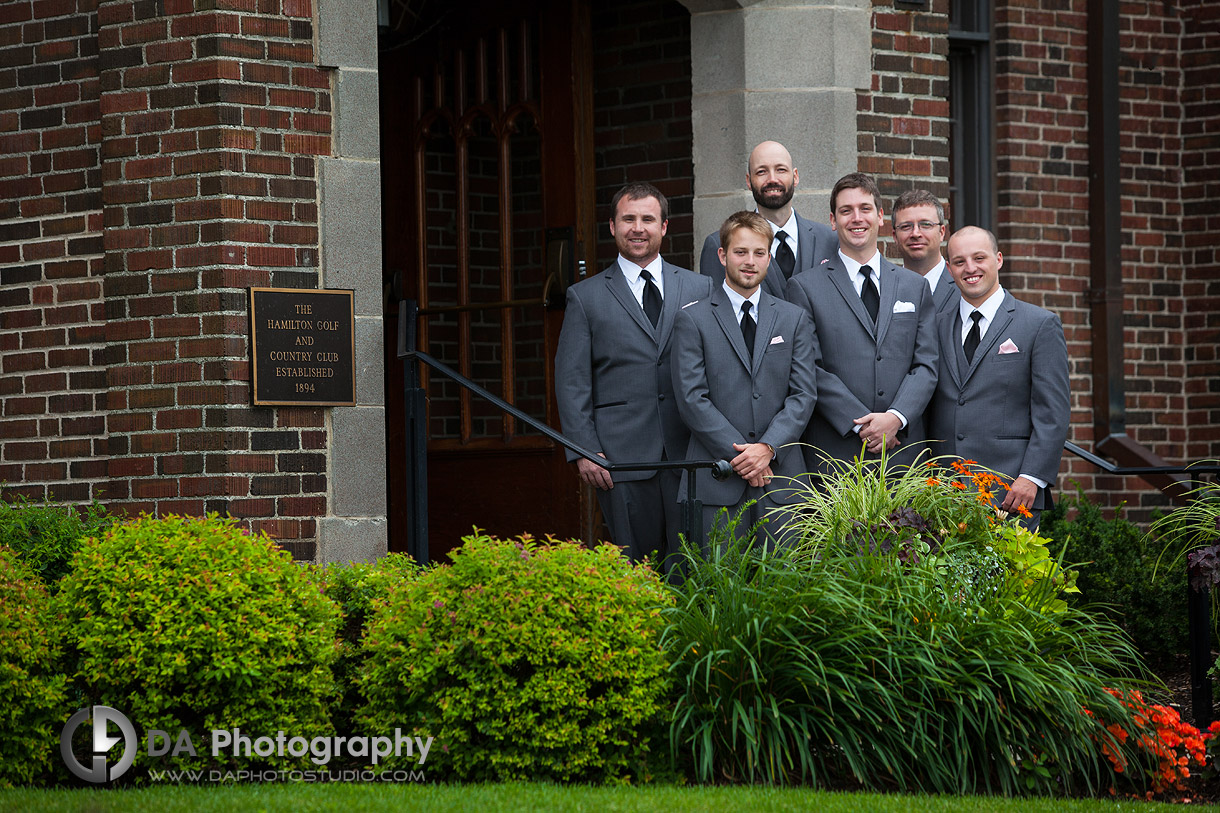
(771, 198)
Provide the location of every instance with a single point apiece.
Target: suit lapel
(670, 302)
(1003, 317)
(889, 295)
(617, 285)
(722, 308)
(766, 328)
(838, 278)
(951, 336)
(805, 245)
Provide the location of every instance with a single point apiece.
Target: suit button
(881, 392)
(757, 395)
(661, 397)
(961, 401)
(878, 358)
(659, 362)
(751, 434)
(961, 437)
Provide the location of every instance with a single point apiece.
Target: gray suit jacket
(946, 295)
(864, 368)
(1008, 411)
(725, 397)
(816, 242)
(612, 380)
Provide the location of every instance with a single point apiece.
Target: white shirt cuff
(1034, 480)
(901, 417)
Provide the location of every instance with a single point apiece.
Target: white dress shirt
(636, 283)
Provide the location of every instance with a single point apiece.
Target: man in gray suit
(612, 379)
(1002, 396)
(875, 338)
(797, 243)
(919, 229)
(744, 378)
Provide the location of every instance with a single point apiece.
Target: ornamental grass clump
(524, 659)
(890, 651)
(188, 623)
(34, 702)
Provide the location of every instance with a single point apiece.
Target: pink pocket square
(777, 340)
(1009, 346)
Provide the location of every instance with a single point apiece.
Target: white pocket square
(904, 307)
(1009, 346)
(776, 340)
(688, 304)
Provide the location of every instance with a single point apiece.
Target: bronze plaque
(303, 347)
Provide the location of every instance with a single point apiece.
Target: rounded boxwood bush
(524, 660)
(34, 704)
(181, 622)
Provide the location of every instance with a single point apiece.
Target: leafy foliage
(189, 623)
(877, 672)
(33, 690)
(1118, 574)
(524, 659)
(46, 535)
(358, 588)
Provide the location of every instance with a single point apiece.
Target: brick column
(212, 124)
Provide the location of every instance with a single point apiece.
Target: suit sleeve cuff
(901, 417)
(1036, 481)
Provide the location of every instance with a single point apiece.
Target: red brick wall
(1200, 223)
(642, 115)
(1044, 217)
(167, 158)
(903, 118)
(52, 378)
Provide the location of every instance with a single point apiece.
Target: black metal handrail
(415, 405)
(1198, 603)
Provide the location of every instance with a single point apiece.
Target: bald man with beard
(798, 244)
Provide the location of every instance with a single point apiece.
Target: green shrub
(525, 660)
(1117, 572)
(34, 702)
(47, 534)
(859, 668)
(190, 623)
(358, 588)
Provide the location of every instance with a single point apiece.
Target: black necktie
(652, 298)
(784, 255)
(973, 337)
(868, 294)
(747, 327)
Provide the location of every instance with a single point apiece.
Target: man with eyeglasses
(919, 230)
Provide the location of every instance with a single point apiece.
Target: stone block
(346, 540)
(358, 461)
(350, 218)
(358, 122)
(347, 34)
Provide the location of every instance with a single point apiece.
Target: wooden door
(488, 204)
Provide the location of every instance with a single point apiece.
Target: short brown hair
(856, 180)
(752, 221)
(637, 191)
(919, 197)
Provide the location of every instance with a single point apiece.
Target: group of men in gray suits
(793, 331)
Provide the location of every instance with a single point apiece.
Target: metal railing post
(415, 408)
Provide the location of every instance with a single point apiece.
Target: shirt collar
(788, 228)
(853, 267)
(735, 299)
(989, 307)
(632, 271)
(936, 275)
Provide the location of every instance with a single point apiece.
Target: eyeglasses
(908, 227)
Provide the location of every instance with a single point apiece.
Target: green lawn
(525, 797)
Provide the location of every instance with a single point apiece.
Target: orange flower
(1023, 511)
(959, 485)
(932, 481)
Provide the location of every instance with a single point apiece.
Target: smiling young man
(744, 378)
(612, 381)
(797, 244)
(875, 341)
(1002, 397)
(919, 230)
